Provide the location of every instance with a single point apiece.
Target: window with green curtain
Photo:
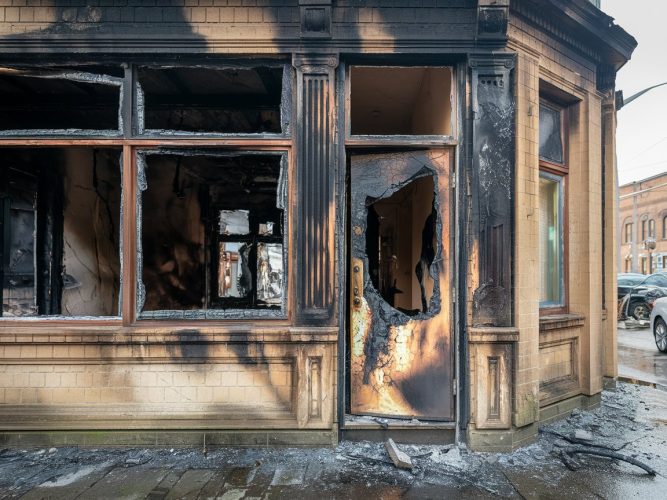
(551, 240)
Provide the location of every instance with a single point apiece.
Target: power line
(649, 148)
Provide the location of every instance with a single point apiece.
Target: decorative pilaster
(315, 179)
(492, 189)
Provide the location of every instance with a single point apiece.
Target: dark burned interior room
(228, 100)
(212, 231)
(59, 231)
(41, 100)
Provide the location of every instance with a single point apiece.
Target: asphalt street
(639, 358)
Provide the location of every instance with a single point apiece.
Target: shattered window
(243, 100)
(400, 100)
(41, 101)
(212, 229)
(551, 136)
(59, 232)
(401, 244)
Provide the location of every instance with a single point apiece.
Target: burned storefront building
(295, 222)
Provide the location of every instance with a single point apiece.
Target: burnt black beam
(212, 101)
(49, 241)
(492, 187)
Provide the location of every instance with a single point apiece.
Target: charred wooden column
(492, 189)
(315, 174)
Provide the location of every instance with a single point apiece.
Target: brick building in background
(275, 223)
(643, 216)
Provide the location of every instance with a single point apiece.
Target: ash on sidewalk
(632, 421)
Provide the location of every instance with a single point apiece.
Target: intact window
(551, 240)
(628, 232)
(552, 223)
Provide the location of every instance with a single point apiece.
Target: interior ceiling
(47, 87)
(386, 94)
(244, 171)
(205, 81)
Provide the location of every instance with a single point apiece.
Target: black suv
(638, 300)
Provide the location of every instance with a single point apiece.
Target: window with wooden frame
(644, 228)
(169, 205)
(553, 203)
(628, 232)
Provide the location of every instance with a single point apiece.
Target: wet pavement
(632, 421)
(639, 358)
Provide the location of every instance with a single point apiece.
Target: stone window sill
(561, 321)
(484, 334)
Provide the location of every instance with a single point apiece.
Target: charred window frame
(255, 100)
(66, 101)
(255, 236)
(61, 226)
(128, 137)
(554, 169)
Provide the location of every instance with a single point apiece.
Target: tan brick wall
(651, 205)
(526, 277)
(543, 59)
(188, 386)
(90, 381)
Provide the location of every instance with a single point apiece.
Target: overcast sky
(642, 126)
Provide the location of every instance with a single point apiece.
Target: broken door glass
(401, 245)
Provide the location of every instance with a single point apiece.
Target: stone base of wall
(563, 408)
(182, 438)
(501, 441)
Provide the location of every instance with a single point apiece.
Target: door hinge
(455, 386)
(454, 295)
(454, 180)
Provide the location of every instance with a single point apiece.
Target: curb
(636, 381)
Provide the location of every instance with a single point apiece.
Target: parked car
(639, 300)
(627, 281)
(659, 323)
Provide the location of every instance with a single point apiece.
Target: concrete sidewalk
(632, 421)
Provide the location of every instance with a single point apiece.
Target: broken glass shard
(266, 229)
(269, 273)
(234, 222)
(234, 277)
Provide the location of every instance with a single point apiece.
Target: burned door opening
(401, 362)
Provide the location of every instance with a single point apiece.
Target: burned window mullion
(49, 243)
